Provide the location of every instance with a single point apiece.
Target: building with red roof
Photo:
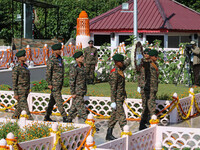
(166, 20)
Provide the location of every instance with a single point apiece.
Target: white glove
(113, 105)
(138, 89)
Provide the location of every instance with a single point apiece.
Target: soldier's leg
(24, 105)
(80, 106)
(50, 105)
(73, 110)
(17, 112)
(121, 114)
(59, 102)
(152, 103)
(113, 119)
(88, 73)
(92, 69)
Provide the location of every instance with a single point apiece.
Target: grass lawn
(165, 91)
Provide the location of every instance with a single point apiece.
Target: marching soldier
(54, 78)
(78, 87)
(90, 60)
(149, 88)
(118, 94)
(21, 85)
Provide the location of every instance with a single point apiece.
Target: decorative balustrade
(99, 105)
(38, 56)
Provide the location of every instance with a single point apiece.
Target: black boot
(47, 118)
(109, 135)
(65, 119)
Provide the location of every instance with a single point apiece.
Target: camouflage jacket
(77, 80)
(55, 71)
(117, 82)
(21, 79)
(90, 56)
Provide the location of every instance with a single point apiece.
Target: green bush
(39, 85)
(5, 87)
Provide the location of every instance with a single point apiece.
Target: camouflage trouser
(78, 106)
(56, 98)
(149, 107)
(22, 105)
(90, 72)
(118, 114)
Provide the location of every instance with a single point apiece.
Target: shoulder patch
(113, 70)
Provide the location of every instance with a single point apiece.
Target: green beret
(147, 50)
(118, 57)
(153, 52)
(78, 54)
(57, 47)
(21, 53)
(90, 42)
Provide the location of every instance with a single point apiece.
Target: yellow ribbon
(92, 125)
(131, 110)
(152, 121)
(25, 116)
(3, 109)
(126, 133)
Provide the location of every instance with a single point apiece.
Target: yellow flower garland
(195, 102)
(3, 109)
(126, 133)
(25, 116)
(132, 110)
(13, 143)
(152, 121)
(58, 139)
(92, 125)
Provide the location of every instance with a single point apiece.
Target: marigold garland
(24, 116)
(126, 133)
(152, 121)
(91, 123)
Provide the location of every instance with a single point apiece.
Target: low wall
(37, 73)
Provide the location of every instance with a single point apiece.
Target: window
(123, 38)
(151, 38)
(101, 39)
(185, 39)
(173, 41)
(199, 41)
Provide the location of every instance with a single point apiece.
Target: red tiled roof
(154, 15)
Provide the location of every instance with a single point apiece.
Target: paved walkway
(102, 125)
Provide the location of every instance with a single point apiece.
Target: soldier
(90, 60)
(21, 85)
(118, 94)
(149, 88)
(54, 78)
(196, 63)
(78, 87)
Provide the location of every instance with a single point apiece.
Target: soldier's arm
(72, 80)
(127, 62)
(113, 86)
(15, 75)
(96, 56)
(196, 51)
(85, 54)
(49, 72)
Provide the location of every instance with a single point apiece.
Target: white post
(193, 107)
(90, 119)
(23, 119)
(10, 138)
(125, 109)
(29, 101)
(53, 133)
(89, 143)
(135, 19)
(3, 144)
(164, 121)
(174, 113)
(154, 119)
(126, 130)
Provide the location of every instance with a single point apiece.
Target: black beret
(153, 52)
(21, 53)
(118, 57)
(90, 42)
(57, 47)
(78, 54)
(147, 50)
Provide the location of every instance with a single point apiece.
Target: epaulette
(113, 70)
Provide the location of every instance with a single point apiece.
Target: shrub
(5, 87)
(39, 85)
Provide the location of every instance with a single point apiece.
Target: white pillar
(55, 129)
(89, 143)
(165, 40)
(23, 119)
(126, 130)
(90, 119)
(10, 138)
(174, 113)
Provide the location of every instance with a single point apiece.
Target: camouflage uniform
(118, 95)
(90, 59)
(55, 77)
(21, 86)
(78, 87)
(149, 87)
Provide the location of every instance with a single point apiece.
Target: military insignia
(60, 64)
(113, 70)
(121, 73)
(92, 54)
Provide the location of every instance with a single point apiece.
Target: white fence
(39, 101)
(157, 137)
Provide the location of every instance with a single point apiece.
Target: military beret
(78, 54)
(21, 53)
(118, 57)
(90, 42)
(192, 42)
(153, 52)
(57, 47)
(147, 49)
